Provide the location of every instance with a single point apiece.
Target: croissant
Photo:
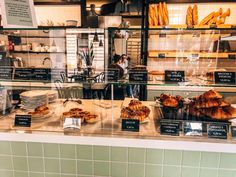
(210, 103)
(211, 94)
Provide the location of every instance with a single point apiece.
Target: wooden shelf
(166, 54)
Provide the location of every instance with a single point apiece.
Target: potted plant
(88, 55)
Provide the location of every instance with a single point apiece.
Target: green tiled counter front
(28, 159)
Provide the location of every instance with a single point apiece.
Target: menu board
(32, 74)
(41, 74)
(18, 14)
(23, 73)
(138, 75)
(225, 78)
(174, 76)
(6, 73)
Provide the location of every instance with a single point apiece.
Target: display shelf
(192, 54)
(38, 52)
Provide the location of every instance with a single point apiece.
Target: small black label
(195, 55)
(41, 74)
(213, 26)
(169, 128)
(130, 125)
(6, 73)
(112, 74)
(23, 120)
(174, 76)
(217, 131)
(192, 128)
(233, 131)
(162, 35)
(23, 73)
(232, 56)
(138, 75)
(161, 55)
(225, 78)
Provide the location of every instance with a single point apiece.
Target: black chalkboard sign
(41, 74)
(112, 74)
(6, 73)
(23, 73)
(224, 78)
(138, 75)
(169, 128)
(23, 120)
(130, 125)
(174, 76)
(217, 130)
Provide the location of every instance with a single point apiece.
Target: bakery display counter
(106, 128)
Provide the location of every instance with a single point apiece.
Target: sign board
(6, 73)
(130, 125)
(225, 78)
(18, 14)
(192, 128)
(138, 75)
(169, 128)
(174, 76)
(112, 74)
(23, 120)
(217, 130)
(72, 123)
(233, 132)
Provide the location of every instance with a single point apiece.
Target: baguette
(165, 14)
(160, 14)
(216, 15)
(156, 20)
(189, 16)
(223, 17)
(195, 14)
(207, 19)
(151, 16)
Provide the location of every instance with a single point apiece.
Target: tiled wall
(19, 159)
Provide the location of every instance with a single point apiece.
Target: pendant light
(100, 43)
(95, 38)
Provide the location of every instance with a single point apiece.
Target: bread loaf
(160, 14)
(195, 14)
(189, 16)
(165, 14)
(207, 19)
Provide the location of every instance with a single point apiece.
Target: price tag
(217, 131)
(195, 55)
(6, 73)
(23, 73)
(213, 26)
(232, 56)
(162, 35)
(41, 74)
(225, 78)
(192, 128)
(161, 55)
(130, 125)
(138, 75)
(23, 121)
(112, 74)
(233, 132)
(72, 123)
(174, 76)
(169, 128)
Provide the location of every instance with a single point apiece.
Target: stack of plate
(34, 98)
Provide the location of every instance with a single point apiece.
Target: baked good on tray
(40, 112)
(85, 116)
(135, 110)
(211, 105)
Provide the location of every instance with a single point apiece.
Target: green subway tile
(32, 174)
(21, 174)
(172, 157)
(85, 167)
(6, 163)
(227, 173)
(52, 165)
(118, 169)
(4, 173)
(19, 148)
(68, 166)
(206, 172)
(52, 175)
(136, 170)
(154, 156)
(210, 159)
(20, 163)
(84, 152)
(137, 155)
(36, 164)
(191, 158)
(5, 148)
(101, 153)
(171, 171)
(153, 171)
(228, 160)
(119, 154)
(51, 150)
(67, 151)
(63, 175)
(35, 149)
(84, 176)
(101, 168)
(190, 172)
